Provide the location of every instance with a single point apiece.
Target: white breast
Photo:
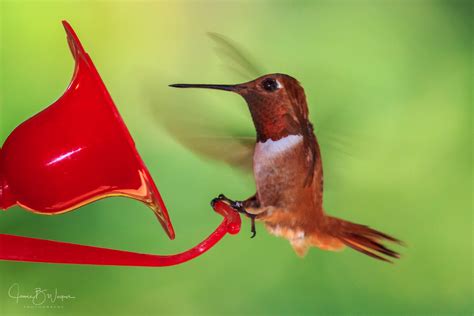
(270, 148)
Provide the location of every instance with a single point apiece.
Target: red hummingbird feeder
(74, 152)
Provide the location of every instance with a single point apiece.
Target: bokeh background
(389, 87)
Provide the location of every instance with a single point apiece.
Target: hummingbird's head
(277, 103)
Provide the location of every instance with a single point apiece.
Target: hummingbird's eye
(270, 84)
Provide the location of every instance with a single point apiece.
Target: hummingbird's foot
(239, 207)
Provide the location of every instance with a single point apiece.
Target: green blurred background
(391, 80)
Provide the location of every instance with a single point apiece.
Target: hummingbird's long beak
(225, 87)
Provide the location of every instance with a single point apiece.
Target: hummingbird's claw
(238, 206)
(252, 229)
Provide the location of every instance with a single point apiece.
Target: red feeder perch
(74, 152)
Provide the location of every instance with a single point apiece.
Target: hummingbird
(288, 173)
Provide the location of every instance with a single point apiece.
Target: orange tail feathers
(363, 239)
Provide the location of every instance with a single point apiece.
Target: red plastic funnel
(76, 151)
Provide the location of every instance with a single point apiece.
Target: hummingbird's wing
(214, 132)
(235, 58)
(233, 150)
(199, 125)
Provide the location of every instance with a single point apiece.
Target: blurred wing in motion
(214, 132)
(234, 57)
(233, 147)
(237, 152)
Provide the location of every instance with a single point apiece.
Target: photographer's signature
(38, 297)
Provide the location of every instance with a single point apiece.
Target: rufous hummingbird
(288, 172)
